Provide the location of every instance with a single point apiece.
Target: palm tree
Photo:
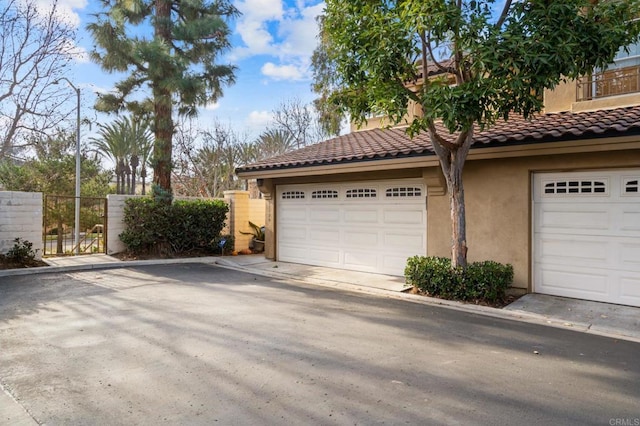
(113, 143)
(140, 143)
(128, 143)
(274, 142)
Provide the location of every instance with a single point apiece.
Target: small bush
(480, 281)
(153, 226)
(21, 252)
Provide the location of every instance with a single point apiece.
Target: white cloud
(282, 72)
(78, 53)
(253, 26)
(287, 35)
(65, 10)
(212, 106)
(299, 32)
(258, 120)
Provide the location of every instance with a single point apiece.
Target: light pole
(77, 212)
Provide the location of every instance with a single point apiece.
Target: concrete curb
(98, 266)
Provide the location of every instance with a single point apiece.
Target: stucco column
(238, 217)
(268, 192)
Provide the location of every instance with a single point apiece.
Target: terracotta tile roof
(377, 144)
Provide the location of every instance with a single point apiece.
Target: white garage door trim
(371, 226)
(586, 235)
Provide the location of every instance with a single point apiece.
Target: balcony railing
(613, 82)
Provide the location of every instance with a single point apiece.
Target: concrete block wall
(21, 217)
(115, 222)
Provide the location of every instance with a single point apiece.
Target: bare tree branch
(35, 48)
(504, 14)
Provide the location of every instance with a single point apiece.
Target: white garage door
(364, 226)
(587, 235)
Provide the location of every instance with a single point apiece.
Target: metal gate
(59, 232)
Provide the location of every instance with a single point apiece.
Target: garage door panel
(403, 216)
(365, 260)
(630, 256)
(364, 239)
(631, 221)
(293, 233)
(324, 256)
(408, 242)
(573, 251)
(630, 289)
(565, 280)
(324, 235)
(293, 213)
(587, 245)
(324, 215)
(572, 220)
(361, 215)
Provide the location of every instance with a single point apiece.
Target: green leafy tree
(324, 82)
(499, 61)
(52, 171)
(176, 59)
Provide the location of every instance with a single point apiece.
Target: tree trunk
(134, 165)
(118, 188)
(143, 177)
(59, 245)
(163, 124)
(452, 157)
(458, 213)
(127, 171)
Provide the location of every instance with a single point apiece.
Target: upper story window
(621, 77)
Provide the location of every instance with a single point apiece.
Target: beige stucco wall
(561, 98)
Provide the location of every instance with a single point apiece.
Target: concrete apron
(603, 318)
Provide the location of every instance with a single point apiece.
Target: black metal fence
(59, 220)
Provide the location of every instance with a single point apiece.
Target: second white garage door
(587, 235)
(364, 226)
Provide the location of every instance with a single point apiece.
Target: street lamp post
(77, 197)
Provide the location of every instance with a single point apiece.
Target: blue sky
(272, 44)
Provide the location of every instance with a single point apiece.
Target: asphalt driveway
(199, 344)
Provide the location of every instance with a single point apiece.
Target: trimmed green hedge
(479, 281)
(184, 226)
